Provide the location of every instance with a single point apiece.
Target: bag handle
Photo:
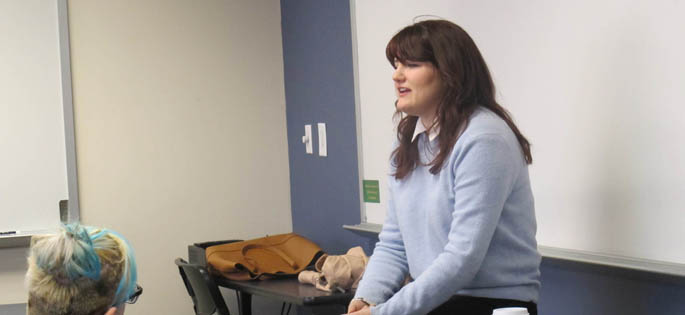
(274, 250)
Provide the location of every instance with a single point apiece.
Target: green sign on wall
(371, 191)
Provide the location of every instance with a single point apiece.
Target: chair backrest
(207, 299)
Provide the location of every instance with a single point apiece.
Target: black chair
(207, 299)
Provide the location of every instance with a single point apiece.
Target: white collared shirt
(421, 128)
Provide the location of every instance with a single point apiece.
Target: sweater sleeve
(484, 168)
(387, 267)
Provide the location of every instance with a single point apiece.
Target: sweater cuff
(376, 309)
(368, 298)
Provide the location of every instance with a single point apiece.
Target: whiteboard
(37, 163)
(597, 87)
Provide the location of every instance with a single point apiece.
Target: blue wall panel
(319, 87)
(573, 288)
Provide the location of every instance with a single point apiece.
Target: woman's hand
(358, 307)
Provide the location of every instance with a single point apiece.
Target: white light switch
(323, 149)
(307, 139)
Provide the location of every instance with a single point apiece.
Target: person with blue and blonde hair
(80, 271)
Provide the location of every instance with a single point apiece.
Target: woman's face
(418, 88)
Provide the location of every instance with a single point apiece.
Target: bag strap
(274, 250)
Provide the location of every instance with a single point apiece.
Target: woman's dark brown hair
(466, 85)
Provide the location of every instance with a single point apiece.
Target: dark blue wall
(573, 288)
(319, 87)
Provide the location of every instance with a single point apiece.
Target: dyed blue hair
(129, 276)
(73, 254)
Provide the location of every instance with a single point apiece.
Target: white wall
(180, 132)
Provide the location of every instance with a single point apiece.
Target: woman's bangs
(408, 44)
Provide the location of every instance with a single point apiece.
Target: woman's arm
(387, 267)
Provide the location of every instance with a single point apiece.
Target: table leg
(245, 303)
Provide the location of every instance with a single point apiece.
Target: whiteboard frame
(357, 109)
(365, 227)
(647, 265)
(68, 105)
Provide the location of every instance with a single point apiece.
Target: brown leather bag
(276, 255)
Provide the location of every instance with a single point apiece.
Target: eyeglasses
(134, 297)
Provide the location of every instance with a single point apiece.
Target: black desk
(286, 290)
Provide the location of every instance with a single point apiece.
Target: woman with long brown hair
(460, 223)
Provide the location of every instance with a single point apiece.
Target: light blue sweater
(470, 229)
